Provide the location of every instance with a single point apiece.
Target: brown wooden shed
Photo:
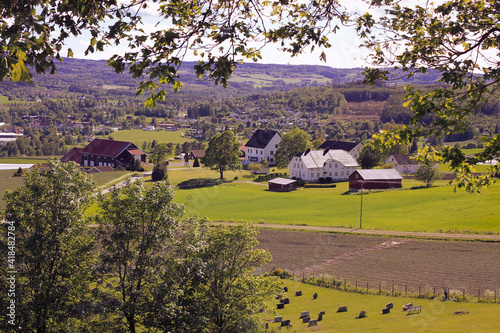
(282, 185)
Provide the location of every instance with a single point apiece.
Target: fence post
(392, 289)
(345, 284)
(356, 285)
(380, 288)
(495, 296)
(419, 294)
(479, 295)
(463, 294)
(434, 294)
(368, 292)
(406, 288)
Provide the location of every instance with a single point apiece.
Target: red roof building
(111, 153)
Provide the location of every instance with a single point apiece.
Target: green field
(436, 316)
(139, 136)
(436, 209)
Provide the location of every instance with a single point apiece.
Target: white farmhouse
(352, 148)
(312, 165)
(405, 164)
(262, 146)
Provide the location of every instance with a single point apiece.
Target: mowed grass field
(138, 136)
(436, 316)
(435, 209)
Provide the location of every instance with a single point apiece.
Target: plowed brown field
(401, 261)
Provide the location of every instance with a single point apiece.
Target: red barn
(282, 185)
(374, 179)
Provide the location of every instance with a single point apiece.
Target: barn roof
(200, 153)
(282, 181)
(333, 144)
(379, 174)
(108, 147)
(318, 158)
(73, 155)
(260, 139)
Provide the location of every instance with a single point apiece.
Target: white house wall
(255, 155)
(334, 169)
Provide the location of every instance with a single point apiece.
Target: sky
(344, 53)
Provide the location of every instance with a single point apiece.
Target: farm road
(388, 233)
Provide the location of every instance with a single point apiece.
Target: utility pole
(361, 209)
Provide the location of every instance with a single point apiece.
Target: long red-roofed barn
(374, 179)
(110, 153)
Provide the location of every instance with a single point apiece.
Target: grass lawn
(433, 209)
(7, 182)
(436, 316)
(139, 136)
(24, 160)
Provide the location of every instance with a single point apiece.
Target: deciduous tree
(460, 39)
(291, 144)
(136, 228)
(223, 153)
(54, 251)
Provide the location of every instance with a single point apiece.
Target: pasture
(139, 136)
(435, 209)
(436, 316)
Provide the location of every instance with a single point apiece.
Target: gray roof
(282, 181)
(344, 145)
(379, 174)
(318, 158)
(403, 159)
(261, 138)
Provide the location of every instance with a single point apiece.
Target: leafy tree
(223, 153)
(54, 251)
(159, 172)
(254, 167)
(136, 226)
(428, 172)
(210, 286)
(460, 39)
(291, 144)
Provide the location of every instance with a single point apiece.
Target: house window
(275, 146)
(312, 175)
(272, 153)
(261, 152)
(330, 174)
(336, 173)
(318, 174)
(330, 166)
(336, 165)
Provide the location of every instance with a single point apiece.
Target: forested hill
(96, 78)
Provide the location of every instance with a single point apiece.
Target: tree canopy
(223, 153)
(461, 40)
(291, 144)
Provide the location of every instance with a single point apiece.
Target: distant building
(111, 153)
(374, 179)
(405, 164)
(333, 165)
(197, 154)
(352, 148)
(282, 185)
(262, 146)
(74, 155)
